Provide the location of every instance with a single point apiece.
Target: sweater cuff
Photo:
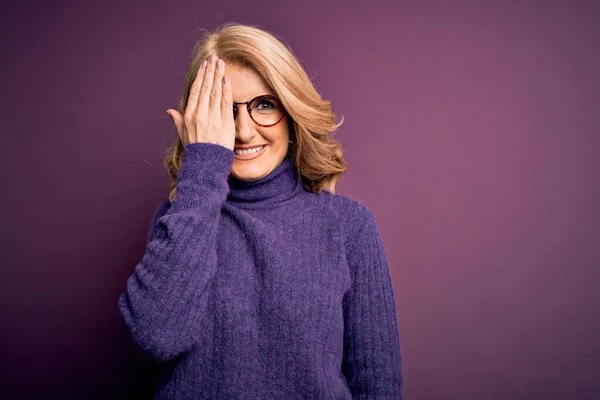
(203, 177)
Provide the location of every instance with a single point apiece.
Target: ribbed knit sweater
(263, 290)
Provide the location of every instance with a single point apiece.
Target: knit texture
(263, 290)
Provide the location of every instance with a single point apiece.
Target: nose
(244, 126)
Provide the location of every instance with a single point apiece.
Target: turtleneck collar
(278, 185)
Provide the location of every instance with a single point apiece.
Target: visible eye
(265, 105)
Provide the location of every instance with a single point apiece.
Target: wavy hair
(316, 155)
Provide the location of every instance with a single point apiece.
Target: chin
(253, 169)
(248, 173)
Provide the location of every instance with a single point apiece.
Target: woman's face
(246, 85)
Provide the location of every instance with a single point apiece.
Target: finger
(195, 90)
(178, 122)
(187, 130)
(227, 100)
(207, 83)
(215, 95)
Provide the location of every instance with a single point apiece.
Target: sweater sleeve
(372, 355)
(166, 295)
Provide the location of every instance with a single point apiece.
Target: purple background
(472, 132)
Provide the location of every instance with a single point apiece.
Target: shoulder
(354, 215)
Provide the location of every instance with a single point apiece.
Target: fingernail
(213, 58)
(203, 65)
(169, 114)
(220, 64)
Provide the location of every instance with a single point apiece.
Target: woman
(258, 281)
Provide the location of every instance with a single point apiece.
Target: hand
(208, 116)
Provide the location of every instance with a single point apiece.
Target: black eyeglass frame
(271, 97)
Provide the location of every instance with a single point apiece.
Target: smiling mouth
(250, 154)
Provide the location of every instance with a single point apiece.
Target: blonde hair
(317, 156)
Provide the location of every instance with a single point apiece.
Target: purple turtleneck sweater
(263, 290)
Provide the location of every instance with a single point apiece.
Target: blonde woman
(258, 280)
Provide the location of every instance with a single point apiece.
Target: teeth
(249, 151)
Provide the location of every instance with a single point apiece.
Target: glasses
(265, 110)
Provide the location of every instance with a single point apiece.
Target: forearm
(166, 296)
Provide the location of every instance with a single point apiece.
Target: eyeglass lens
(264, 110)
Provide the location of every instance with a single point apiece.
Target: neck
(278, 185)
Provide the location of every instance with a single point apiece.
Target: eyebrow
(259, 95)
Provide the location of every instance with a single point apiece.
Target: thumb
(177, 120)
